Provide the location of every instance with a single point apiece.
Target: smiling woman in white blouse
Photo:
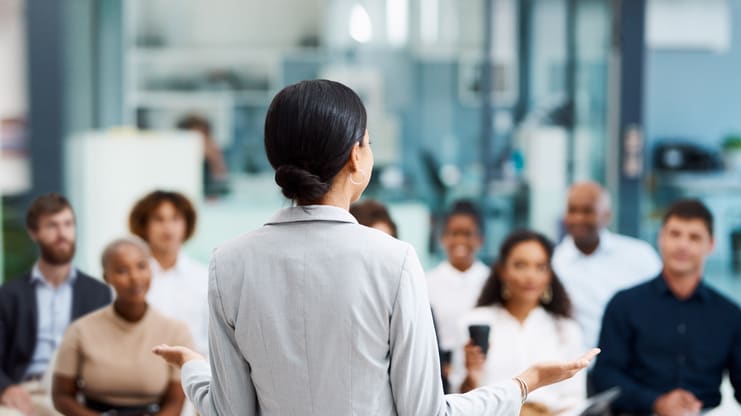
(529, 315)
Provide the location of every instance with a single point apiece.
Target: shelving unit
(164, 84)
(171, 71)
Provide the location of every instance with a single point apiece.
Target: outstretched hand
(16, 397)
(546, 373)
(176, 355)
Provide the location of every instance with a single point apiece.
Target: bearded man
(37, 307)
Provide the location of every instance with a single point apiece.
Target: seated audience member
(166, 220)
(667, 342)
(594, 263)
(106, 357)
(36, 308)
(375, 215)
(528, 314)
(455, 284)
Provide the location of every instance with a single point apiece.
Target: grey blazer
(314, 314)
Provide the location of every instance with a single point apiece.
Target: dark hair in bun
(310, 130)
(298, 183)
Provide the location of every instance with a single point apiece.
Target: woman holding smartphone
(528, 314)
(314, 314)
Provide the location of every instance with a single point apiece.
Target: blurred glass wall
(503, 102)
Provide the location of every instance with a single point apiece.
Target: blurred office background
(504, 102)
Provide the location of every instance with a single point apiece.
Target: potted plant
(732, 152)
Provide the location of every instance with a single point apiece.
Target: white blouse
(181, 292)
(515, 346)
(453, 294)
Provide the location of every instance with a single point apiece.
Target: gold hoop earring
(361, 181)
(547, 296)
(505, 292)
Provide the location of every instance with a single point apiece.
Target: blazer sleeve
(5, 337)
(415, 362)
(228, 390)
(103, 295)
(734, 364)
(89, 294)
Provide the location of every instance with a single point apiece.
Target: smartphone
(480, 336)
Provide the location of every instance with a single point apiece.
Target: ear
(712, 245)
(606, 218)
(33, 235)
(479, 240)
(354, 162)
(660, 241)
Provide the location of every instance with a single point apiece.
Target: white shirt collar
(181, 264)
(37, 276)
(474, 269)
(184, 265)
(606, 244)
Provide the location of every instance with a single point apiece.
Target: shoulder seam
(401, 274)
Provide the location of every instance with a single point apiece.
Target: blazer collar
(307, 213)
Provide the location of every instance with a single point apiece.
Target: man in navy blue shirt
(667, 342)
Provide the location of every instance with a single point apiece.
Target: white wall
(230, 23)
(14, 166)
(107, 172)
(12, 57)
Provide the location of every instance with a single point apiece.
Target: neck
(340, 194)
(335, 201)
(587, 247)
(166, 259)
(462, 266)
(55, 274)
(131, 312)
(682, 285)
(520, 310)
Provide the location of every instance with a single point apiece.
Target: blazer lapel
(28, 294)
(77, 298)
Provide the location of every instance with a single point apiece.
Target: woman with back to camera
(529, 316)
(313, 314)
